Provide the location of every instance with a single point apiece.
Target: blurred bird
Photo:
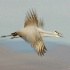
(33, 32)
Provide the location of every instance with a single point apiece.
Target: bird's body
(33, 32)
(28, 33)
(33, 36)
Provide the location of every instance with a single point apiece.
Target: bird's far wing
(41, 23)
(31, 19)
(39, 45)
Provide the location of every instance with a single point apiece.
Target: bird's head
(14, 34)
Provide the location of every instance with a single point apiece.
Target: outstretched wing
(32, 19)
(41, 23)
(39, 45)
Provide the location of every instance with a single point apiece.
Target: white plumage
(33, 32)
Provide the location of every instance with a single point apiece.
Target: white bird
(33, 32)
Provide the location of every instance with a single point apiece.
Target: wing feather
(32, 19)
(39, 46)
(41, 23)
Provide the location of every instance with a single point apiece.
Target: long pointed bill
(12, 36)
(5, 36)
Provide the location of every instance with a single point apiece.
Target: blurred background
(13, 52)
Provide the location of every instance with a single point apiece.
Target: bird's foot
(58, 34)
